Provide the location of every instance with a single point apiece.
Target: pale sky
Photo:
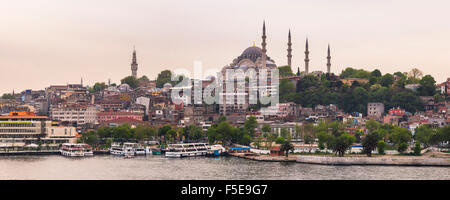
(45, 42)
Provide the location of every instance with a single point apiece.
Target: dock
(26, 153)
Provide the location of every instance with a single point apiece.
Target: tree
(306, 82)
(370, 142)
(279, 140)
(143, 132)
(122, 132)
(407, 100)
(250, 125)
(192, 132)
(90, 138)
(423, 134)
(143, 78)
(99, 87)
(387, 80)
(372, 125)
(286, 147)
(266, 129)
(7, 96)
(342, 143)
(415, 74)
(417, 149)
(427, 86)
(375, 73)
(381, 146)
(323, 138)
(286, 88)
(355, 73)
(131, 81)
(223, 132)
(258, 141)
(222, 118)
(162, 132)
(163, 78)
(401, 135)
(285, 71)
(402, 147)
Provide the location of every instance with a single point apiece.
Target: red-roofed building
(108, 116)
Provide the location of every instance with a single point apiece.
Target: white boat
(186, 150)
(76, 150)
(127, 149)
(216, 150)
(116, 149)
(140, 151)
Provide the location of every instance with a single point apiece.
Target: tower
(263, 45)
(81, 81)
(306, 57)
(328, 60)
(134, 65)
(289, 49)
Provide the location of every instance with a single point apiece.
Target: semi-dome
(124, 88)
(167, 86)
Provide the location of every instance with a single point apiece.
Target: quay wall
(22, 153)
(324, 160)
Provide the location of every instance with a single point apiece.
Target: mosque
(256, 58)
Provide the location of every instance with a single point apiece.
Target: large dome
(252, 51)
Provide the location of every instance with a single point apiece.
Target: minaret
(263, 45)
(329, 60)
(306, 58)
(81, 81)
(298, 71)
(134, 65)
(289, 49)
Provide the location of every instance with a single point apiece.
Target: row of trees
(312, 90)
(165, 134)
(223, 132)
(401, 137)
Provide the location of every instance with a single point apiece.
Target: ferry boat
(155, 151)
(76, 150)
(216, 150)
(186, 150)
(127, 149)
(140, 151)
(116, 149)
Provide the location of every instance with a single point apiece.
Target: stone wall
(413, 161)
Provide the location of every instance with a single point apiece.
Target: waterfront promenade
(388, 160)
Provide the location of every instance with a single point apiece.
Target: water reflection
(159, 167)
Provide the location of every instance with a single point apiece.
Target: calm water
(159, 167)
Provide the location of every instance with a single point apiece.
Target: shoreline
(309, 159)
(349, 161)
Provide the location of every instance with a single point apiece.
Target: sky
(50, 42)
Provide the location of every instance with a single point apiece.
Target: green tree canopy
(285, 71)
(131, 81)
(7, 96)
(427, 86)
(400, 135)
(370, 142)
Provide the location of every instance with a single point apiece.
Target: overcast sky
(44, 42)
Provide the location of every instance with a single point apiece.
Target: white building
(80, 114)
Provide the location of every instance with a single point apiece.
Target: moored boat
(216, 150)
(186, 150)
(76, 150)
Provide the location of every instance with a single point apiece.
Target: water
(158, 167)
